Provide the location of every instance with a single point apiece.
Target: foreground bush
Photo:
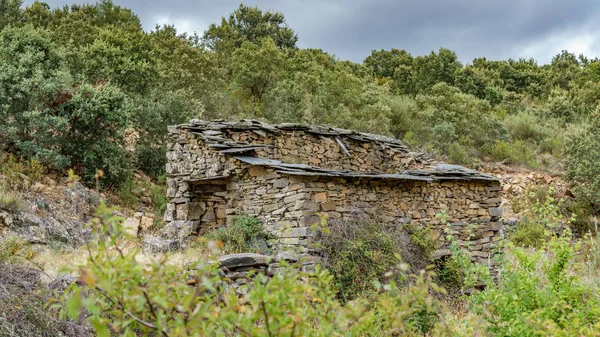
(124, 297)
(538, 295)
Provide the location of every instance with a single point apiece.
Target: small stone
(328, 206)
(281, 182)
(257, 171)
(495, 211)
(146, 223)
(320, 197)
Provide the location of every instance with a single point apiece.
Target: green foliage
(582, 149)
(458, 272)
(358, 253)
(529, 234)
(249, 24)
(541, 213)
(10, 13)
(241, 235)
(14, 169)
(13, 249)
(517, 152)
(537, 293)
(420, 236)
(121, 296)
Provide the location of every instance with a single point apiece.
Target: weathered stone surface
(153, 244)
(297, 232)
(180, 229)
(496, 212)
(209, 216)
(195, 210)
(131, 226)
(281, 182)
(245, 180)
(146, 223)
(234, 261)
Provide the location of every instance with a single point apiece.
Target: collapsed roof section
(212, 133)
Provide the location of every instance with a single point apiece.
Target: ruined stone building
(289, 175)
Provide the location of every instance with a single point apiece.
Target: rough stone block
(495, 211)
(295, 197)
(297, 232)
(235, 261)
(131, 226)
(209, 216)
(257, 171)
(320, 197)
(154, 245)
(281, 182)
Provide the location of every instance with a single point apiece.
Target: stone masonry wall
(302, 147)
(289, 205)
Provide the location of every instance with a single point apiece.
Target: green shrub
(14, 169)
(10, 201)
(121, 296)
(582, 155)
(13, 249)
(457, 272)
(458, 154)
(541, 212)
(528, 234)
(128, 194)
(537, 293)
(242, 235)
(358, 253)
(517, 152)
(420, 236)
(525, 126)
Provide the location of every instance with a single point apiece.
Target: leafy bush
(14, 169)
(457, 271)
(529, 234)
(357, 253)
(458, 154)
(582, 150)
(537, 293)
(525, 126)
(123, 297)
(517, 152)
(241, 235)
(541, 212)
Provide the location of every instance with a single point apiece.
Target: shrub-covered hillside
(80, 84)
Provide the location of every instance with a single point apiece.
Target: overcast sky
(350, 29)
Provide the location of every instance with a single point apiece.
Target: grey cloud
(496, 29)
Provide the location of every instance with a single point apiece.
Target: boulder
(152, 244)
(234, 261)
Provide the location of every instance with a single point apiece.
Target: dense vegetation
(86, 87)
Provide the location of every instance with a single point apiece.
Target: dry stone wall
(290, 176)
(289, 206)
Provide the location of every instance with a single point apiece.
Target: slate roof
(212, 133)
(433, 173)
